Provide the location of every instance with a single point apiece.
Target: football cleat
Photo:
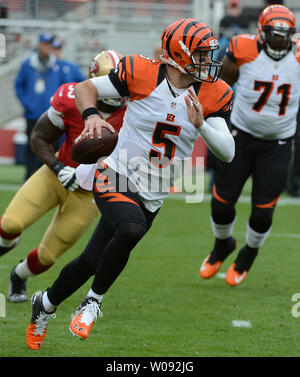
(207, 269)
(17, 288)
(84, 317)
(4, 250)
(238, 271)
(233, 277)
(213, 262)
(36, 331)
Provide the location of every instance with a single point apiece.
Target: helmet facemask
(207, 69)
(277, 40)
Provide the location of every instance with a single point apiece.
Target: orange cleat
(85, 317)
(36, 331)
(233, 277)
(213, 262)
(208, 270)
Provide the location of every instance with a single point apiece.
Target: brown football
(87, 151)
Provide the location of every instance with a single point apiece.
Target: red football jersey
(63, 101)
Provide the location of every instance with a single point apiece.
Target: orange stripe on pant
(218, 197)
(117, 197)
(268, 205)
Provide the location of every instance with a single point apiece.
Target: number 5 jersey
(267, 91)
(157, 136)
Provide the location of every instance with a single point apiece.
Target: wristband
(89, 111)
(57, 166)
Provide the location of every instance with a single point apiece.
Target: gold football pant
(39, 194)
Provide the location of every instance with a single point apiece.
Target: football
(87, 151)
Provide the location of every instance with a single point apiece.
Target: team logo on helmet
(93, 67)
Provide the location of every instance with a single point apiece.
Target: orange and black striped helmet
(276, 26)
(184, 37)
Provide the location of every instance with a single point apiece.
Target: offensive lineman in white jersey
(172, 101)
(266, 69)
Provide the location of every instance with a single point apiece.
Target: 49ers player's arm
(230, 71)
(86, 94)
(43, 135)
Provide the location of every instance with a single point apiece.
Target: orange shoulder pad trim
(141, 76)
(244, 49)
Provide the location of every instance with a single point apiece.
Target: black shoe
(4, 250)
(17, 288)
(36, 331)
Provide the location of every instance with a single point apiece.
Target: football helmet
(101, 65)
(188, 45)
(276, 26)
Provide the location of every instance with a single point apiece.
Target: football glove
(66, 175)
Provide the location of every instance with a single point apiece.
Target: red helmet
(276, 26)
(182, 39)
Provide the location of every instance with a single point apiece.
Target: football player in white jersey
(172, 101)
(266, 70)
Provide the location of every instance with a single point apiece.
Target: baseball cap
(46, 38)
(56, 44)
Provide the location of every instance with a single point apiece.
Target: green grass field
(159, 306)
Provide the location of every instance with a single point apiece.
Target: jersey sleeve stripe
(162, 71)
(131, 66)
(119, 79)
(227, 105)
(225, 94)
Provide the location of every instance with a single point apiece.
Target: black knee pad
(222, 213)
(261, 219)
(130, 232)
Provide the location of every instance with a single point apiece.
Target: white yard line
(239, 323)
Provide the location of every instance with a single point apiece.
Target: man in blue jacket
(39, 77)
(70, 68)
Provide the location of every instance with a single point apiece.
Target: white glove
(67, 177)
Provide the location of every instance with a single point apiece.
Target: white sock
(92, 294)
(222, 231)
(7, 243)
(255, 239)
(22, 270)
(47, 304)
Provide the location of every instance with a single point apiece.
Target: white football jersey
(267, 94)
(157, 136)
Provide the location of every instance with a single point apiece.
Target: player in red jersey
(55, 183)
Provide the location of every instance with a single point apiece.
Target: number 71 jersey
(267, 91)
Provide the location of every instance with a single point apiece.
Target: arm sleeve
(218, 139)
(105, 88)
(55, 118)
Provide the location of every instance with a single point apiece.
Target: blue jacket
(35, 84)
(72, 70)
